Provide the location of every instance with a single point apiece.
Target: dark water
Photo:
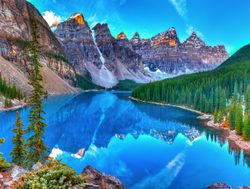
(145, 146)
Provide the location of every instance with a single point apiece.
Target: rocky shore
(16, 104)
(164, 104)
(221, 185)
(94, 179)
(232, 136)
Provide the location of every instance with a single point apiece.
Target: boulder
(220, 185)
(37, 166)
(8, 177)
(96, 179)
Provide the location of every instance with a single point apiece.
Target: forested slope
(206, 91)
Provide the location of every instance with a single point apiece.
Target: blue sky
(216, 21)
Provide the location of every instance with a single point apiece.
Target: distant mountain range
(109, 59)
(74, 55)
(207, 91)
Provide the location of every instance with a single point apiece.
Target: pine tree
(239, 119)
(3, 164)
(18, 153)
(216, 115)
(246, 128)
(220, 116)
(36, 128)
(247, 99)
(232, 114)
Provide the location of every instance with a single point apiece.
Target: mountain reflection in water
(141, 144)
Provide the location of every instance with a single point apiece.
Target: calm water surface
(145, 146)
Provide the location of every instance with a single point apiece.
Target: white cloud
(93, 20)
(51, 18)
(180, 6)
(190, 29)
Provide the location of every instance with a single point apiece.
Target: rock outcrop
(75, 48)
(15, 24)
(93, 178)
(9, 177)
(98, 53)
(77, 40)
(101, 180)
(220, 185)
(164, 53)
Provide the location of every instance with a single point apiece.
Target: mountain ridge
(105, 57)
(95, 55)
(198, 90)
(15, 34)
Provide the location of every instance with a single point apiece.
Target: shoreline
(171, 105)
(232, 136)
(17, 107)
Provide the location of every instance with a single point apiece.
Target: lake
(144, 145)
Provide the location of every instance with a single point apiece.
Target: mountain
(164, 53)
(243, 55)
(206, 91)
(108, 60)
(15, 24)
(97, 53)
(75, 54)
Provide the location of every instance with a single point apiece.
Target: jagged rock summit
(194, 42)
(108, 60)
(98, 54)
(165, 55)
(76, 49)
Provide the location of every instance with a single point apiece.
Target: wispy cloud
(51, 18)
(180, 6)
(112, 17)
(190, 29)
(122, 2)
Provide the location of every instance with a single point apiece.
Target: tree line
(9, 91)
(223, 92)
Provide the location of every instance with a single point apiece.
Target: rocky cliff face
(98, 53)
(96, 179)
(15, 24)
(78, 43)
(165, 55)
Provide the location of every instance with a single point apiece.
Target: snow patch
(160, 75)
(100, 53)
(157, 75)
(55, 152)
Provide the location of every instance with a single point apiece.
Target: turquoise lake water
(145, 146)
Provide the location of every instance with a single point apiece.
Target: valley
(109, 95)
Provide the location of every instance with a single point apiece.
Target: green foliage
(247, 99)
(55, 175)
(208, 91)
(60, 57)
(243, 55)
(204, 91)
(216, 115)
(3, 164)
(246, 128)
(7, 103)
(36, 128)
(9, 91)
(232, 112)
(85, 82)
(239, 119)
(125, 85)
(18, 153)
(220, 116)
